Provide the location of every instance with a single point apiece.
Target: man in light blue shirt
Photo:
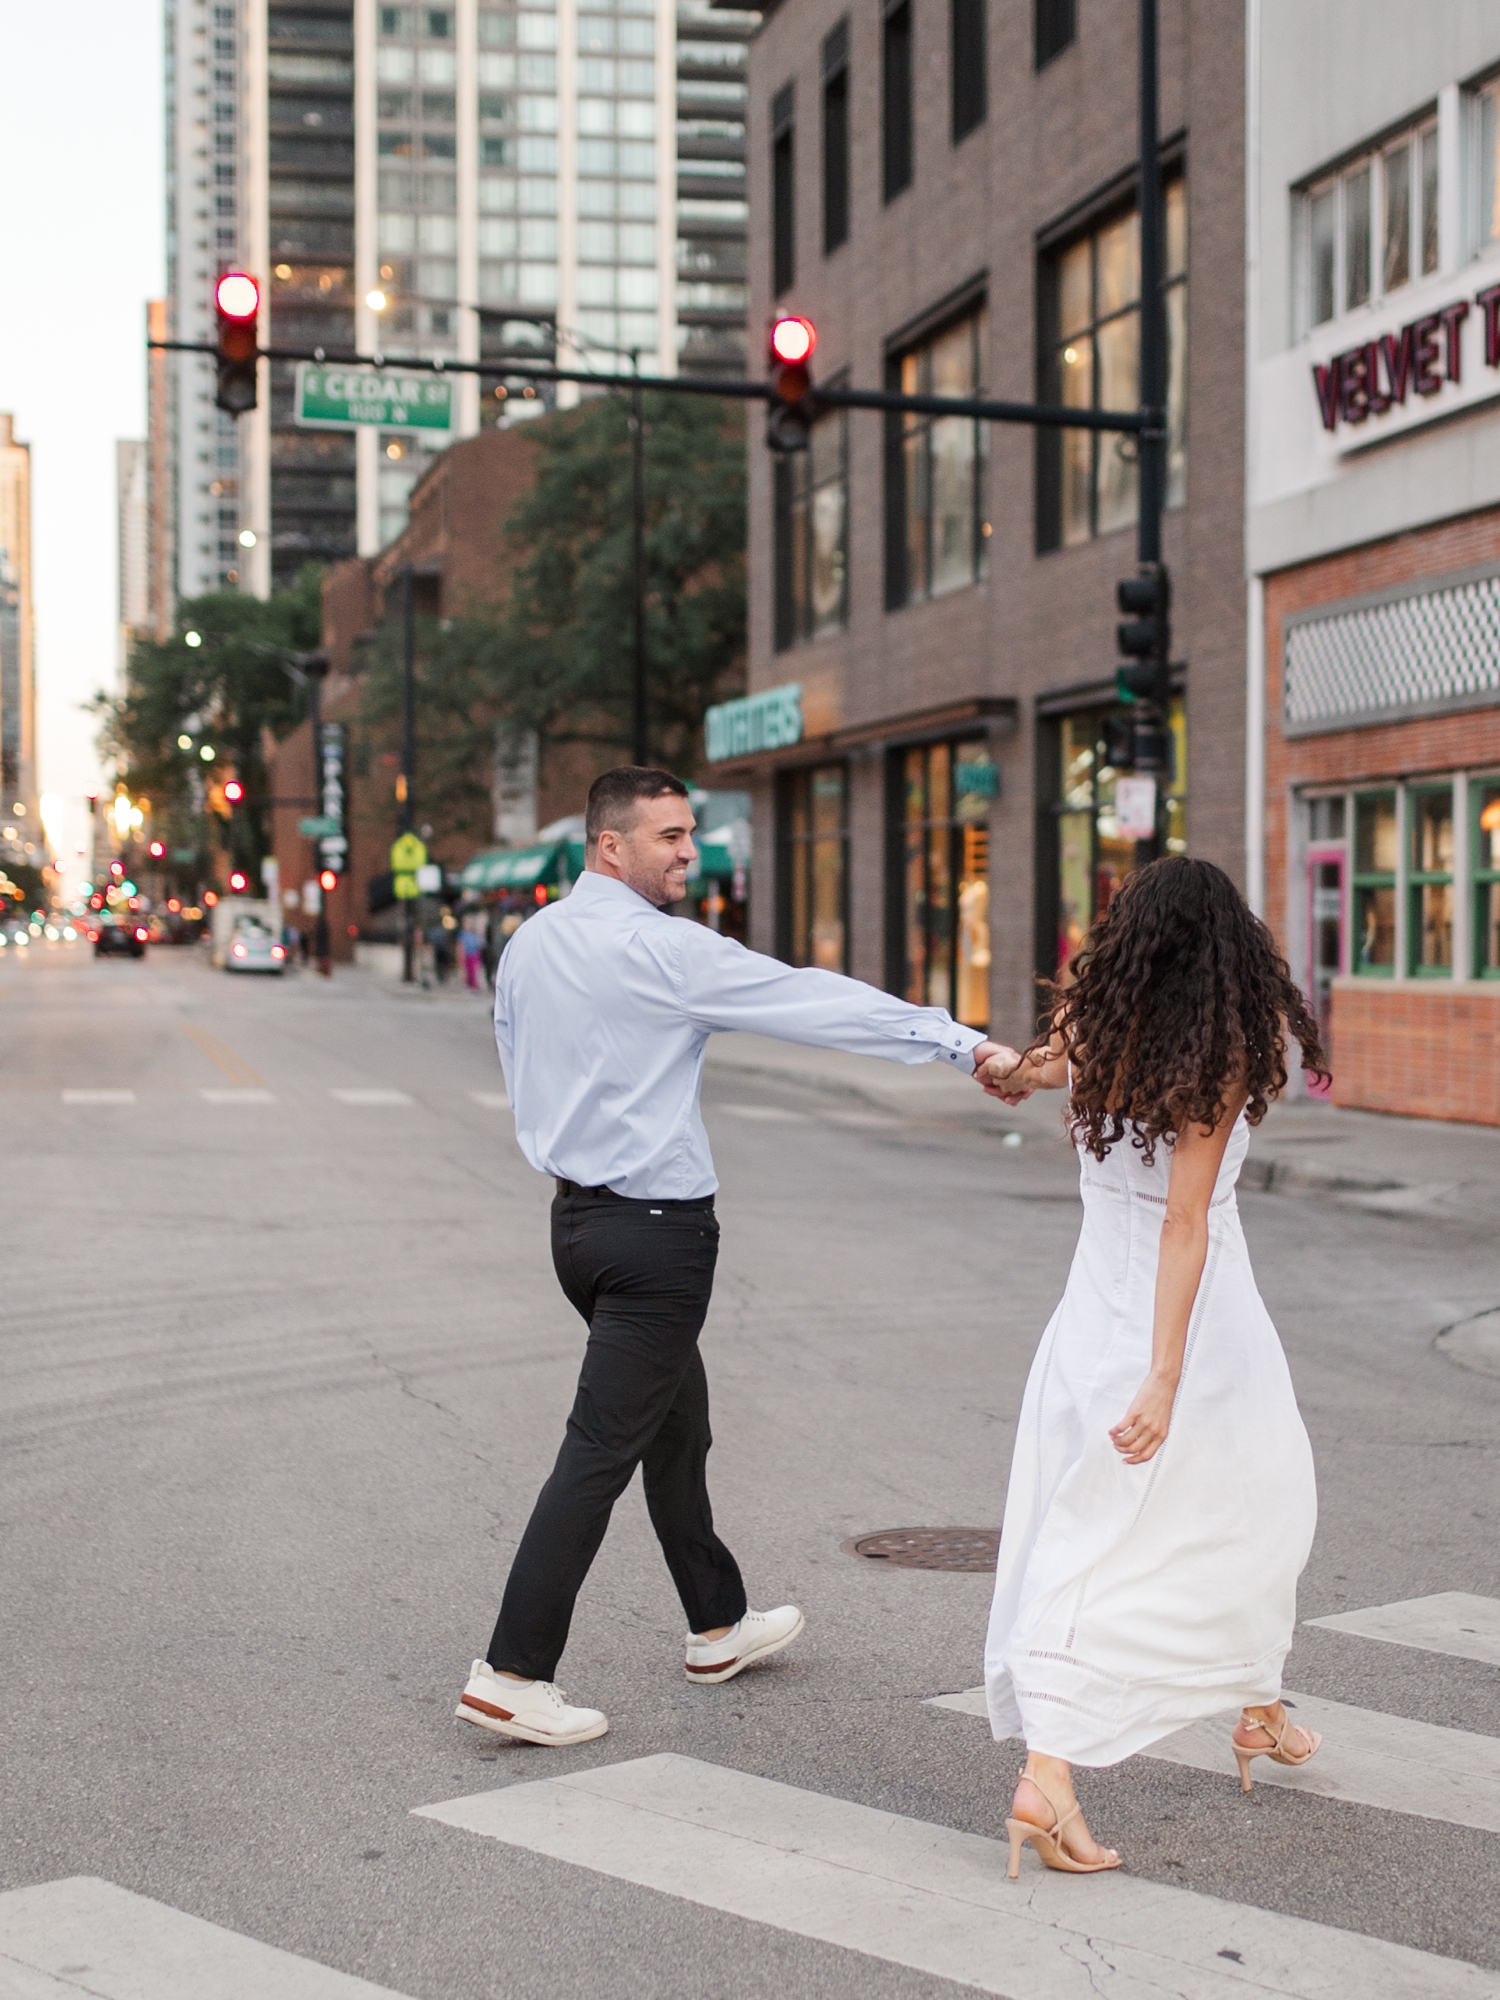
(603, 1007)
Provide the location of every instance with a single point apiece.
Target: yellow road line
(226, 1059)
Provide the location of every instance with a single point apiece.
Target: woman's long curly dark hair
(1178, 995)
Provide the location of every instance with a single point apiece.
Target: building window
(935, 527)
(1485, 848)
(1054, 25)
(813, 867)
(895, 100)
(940, 939)
(812, 534)
(968, 66)
(836, 138)
(783, 192)
(1375, 852)
(1430, 882)
(1081, 856)
(1367, 230)
(1089, 297)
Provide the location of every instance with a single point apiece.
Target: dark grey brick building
(947, 188)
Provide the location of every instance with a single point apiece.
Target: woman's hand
(1002, 1073)
(1142, 1430)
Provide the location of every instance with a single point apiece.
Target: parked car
(253, 949)
(111, 938)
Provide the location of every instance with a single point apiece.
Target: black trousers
(641, 1274)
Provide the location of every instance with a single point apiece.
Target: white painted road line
(1367, 1758)
(98, 1097)
(765, 1114)
(1453, 1622)
(236, 1097)
(492, 1100)
(86, 1936)
(935, 1899)
(370, 1096)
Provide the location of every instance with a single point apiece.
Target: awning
(513, 867)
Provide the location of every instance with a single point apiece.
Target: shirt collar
(593, 886)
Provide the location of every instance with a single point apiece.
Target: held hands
(1142, 1431)
(995, 1070)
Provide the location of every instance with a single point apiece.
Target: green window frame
(1376, 848)
(1484, 850)
(1429, 881)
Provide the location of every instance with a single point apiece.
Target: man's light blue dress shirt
(603, 1006)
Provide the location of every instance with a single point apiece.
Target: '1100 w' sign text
(1367, 381)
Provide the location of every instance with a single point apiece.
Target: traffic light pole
(1151, 733)
(315, 670)
(640, 733)
(408, 763)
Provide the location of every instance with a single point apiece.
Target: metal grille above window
(1393, 655)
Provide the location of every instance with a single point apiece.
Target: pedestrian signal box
(237, 311)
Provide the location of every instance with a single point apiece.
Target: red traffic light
(239, 882)
(237, 295)
(328, 881)
(234, 791)
(157, 850)
(793, 340)
(237, 307)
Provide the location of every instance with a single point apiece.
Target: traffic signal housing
(237, 312)
(790, 406)
(1144, 635)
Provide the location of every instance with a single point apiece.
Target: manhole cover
(929, 1548)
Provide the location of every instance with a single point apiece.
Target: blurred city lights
(207, 753)
(184, 742)
(192, 638)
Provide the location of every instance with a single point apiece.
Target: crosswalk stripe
(83, 1936)
(236, 1097)
(1367, 1758)
(764, 1114)
(932, 1898)
(1451, 1621)
(370, 1096)
(98, 1097)
(492, 1100)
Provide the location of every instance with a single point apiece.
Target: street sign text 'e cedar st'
(343, 396)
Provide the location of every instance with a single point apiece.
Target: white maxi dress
(1133, 1599)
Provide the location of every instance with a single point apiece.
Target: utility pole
(408, 772)
(640, 733)
(316, 667)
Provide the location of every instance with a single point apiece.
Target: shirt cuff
(957, 1046)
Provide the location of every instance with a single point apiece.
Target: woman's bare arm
(1196, 1158)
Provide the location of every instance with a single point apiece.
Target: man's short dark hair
(614, 797)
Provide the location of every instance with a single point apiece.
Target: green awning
(513, 867)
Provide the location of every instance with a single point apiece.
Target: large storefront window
(812, 534)
(1089, 858)
(1485, 848)
(813, 886)
(1375, 850)
(1430, 926)
(941, 946)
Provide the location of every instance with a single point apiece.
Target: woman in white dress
(1161, 1501)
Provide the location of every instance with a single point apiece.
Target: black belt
(572, 1191)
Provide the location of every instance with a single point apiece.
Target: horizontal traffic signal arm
(1048, 415)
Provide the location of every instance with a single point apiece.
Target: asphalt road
(282, 1371)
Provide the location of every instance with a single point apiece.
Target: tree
(557, 656)
(222, 692)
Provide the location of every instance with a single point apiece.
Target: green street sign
(408, 854)
(405, 888)
(342, 396)
(319, 826)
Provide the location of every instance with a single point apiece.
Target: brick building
(455, 548)
(948, 192)
(1373, 536)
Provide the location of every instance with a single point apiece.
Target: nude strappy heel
(1048, 1842)
(1278, 1749)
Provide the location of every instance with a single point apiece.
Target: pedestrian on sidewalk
(1162, 1500)
(603, 1005)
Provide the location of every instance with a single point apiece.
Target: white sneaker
(756, 1637)
(531, 1711)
